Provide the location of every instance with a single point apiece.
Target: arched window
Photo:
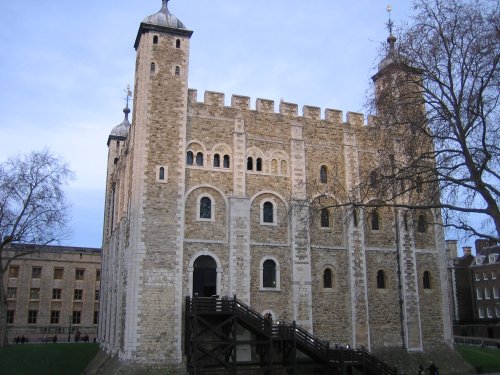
(323, 174)
(226, 161)
(427, 280)
(325, 218)
(283, 167)
(269, 274)
(189, 158)
(205, 208)
(421, 224)
(155, 39)
(161, 174)
(178, 43)
(216, 160)
(249, 163)
(152, 67)
(268, 214)
(258, 165)
(115, 161)
(177, 71)
(355, 216)
(199, 159)
(327, 278)
(418, 184)
(381, 280)
(375, 220)
(373, 180)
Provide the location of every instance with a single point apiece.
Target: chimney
(467, 250)
(451, 249)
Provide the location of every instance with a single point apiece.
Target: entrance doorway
(205, 276)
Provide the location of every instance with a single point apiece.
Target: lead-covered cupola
(164, 18)
(120, 131)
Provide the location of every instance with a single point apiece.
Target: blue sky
(64, 66)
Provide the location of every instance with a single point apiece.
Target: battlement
(242, 103)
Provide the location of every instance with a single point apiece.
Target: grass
(46, 359)
(486, 358)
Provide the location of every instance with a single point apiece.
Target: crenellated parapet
(242, 103)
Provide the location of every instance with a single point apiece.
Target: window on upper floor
(177, 70)
(268, 212)
(480, 259)
(323, 174)
(161, 174)
(199, 159)
(10, 316)
(54, 316)
(325, 218)
(284, 168)
(155, 39)
(189, 158)
(477, 276)
(178, 43)
(375, 220)
(76, 317)
(487, 293)
(355, 217)
(32, 316)
(492, 258)
(495, 293)
(373, 179)
(479, 293)
(97, 275)
(489, 311)
(485, 276)
(327, 278)
(493, 275)
(258, 165)
(226, 161)
(250, 163)
(79, 274)
(96, 317)
(427, 280)
(205, 208)
(381, 280)
(216, 160)
(418, 184)
(14, 271)
(152, 68)
(422, 224)
(58, 273)
(34, 293)
(78, 294)
(497, 311)
(96, 295)
(36, 272)
(481, 312)
(269, 274)
(56, 293)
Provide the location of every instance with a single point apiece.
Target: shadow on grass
(485, 359)
(46, 359)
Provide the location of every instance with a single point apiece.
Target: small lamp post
(69, 330)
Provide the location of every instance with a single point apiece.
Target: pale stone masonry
(209, 199)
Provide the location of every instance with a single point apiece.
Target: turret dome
(120, 131)
(164, 18)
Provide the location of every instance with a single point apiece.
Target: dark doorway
(205, 276)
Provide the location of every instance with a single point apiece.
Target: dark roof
(52, 248)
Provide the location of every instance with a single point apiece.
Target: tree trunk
(3, 314)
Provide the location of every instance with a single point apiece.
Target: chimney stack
(451, 249)
(467, 250)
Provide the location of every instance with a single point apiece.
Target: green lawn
(487, 359)
(48, 359)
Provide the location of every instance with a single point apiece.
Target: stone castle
(206, 199)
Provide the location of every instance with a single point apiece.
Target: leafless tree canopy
(33, 209)
(436, 97)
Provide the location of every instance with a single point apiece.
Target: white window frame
(481, 313)
(487, 294)
(485, 276)
(489, 311)
(165, 169)
(275, 212)
(495, 293)
(479, 293)
(261, 272)
(497, 311)
(477, 276)
(493, 275)
(212, 207)
(493, 258)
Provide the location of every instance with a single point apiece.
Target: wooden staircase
(211, 341)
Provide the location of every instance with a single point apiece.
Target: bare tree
(33, 211)
(436, 104)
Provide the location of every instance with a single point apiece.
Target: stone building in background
(204, 198)
(52, 291)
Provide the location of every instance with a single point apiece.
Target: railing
(305, 341)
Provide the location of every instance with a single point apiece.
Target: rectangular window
(495, 293)
(76, 317)
(479, 293)
(10, 316)
(487, 293)
(79, 274)
(58, 273)
(481, 312)
(489, 311)
(36, 272)
(11, 293)
(14, 271)
(493, 275)
(56, 293)
(497, 311)
(78, 295)
(34, 293)
(54, 316)
(485, 276)
(32, 315)
(477, 276)
(97, 294)
(96, 317)
(97, 275)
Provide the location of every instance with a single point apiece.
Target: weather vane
(129, 94)
(389, 23)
